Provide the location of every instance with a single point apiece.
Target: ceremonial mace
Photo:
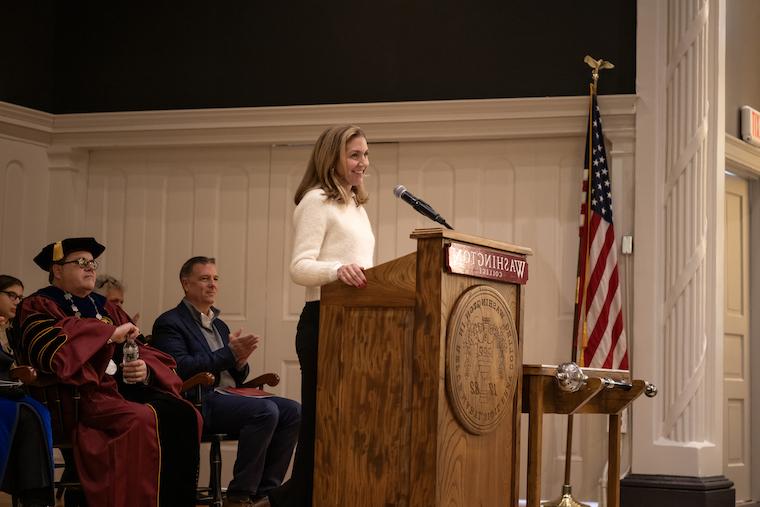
(566, 498)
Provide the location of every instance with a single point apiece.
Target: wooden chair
(212, 494)
(62, 401)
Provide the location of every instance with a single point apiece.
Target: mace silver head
(570, 377)
(650, 391)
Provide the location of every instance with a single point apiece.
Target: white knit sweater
(328, 234)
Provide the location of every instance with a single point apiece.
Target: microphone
(421, 206)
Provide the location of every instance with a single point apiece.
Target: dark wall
(26, 53)
(742, 71)
(137, 55)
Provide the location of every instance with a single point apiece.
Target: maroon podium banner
(486, 263)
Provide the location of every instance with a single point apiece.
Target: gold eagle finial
(597, 65)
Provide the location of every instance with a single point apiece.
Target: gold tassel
(57, 251)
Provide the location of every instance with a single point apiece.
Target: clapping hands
(242, 346)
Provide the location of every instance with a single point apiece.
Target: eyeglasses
(15, 298)
(83, 263)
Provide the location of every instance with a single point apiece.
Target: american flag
(599, 309)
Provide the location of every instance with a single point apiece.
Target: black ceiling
(86, 56)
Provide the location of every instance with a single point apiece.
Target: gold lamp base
(566, 500)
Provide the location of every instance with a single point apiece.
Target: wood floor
(5, 501)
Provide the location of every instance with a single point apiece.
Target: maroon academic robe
(117, 445)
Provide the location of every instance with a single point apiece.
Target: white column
(685, 312)
(679, 217)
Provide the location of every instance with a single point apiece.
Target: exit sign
(751, 125)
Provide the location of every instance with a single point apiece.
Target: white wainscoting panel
(154, 209)
(24, 184)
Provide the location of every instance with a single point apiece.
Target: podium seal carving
(481, 359)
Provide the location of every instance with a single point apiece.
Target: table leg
(535, 429)
(613, 470)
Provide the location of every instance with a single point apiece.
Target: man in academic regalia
(137, 440)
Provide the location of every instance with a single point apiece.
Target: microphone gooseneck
(418, 204)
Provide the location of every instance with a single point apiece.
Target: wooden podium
(420, 373)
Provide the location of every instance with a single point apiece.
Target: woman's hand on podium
(353, 275)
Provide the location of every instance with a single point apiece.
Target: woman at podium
(333, 240)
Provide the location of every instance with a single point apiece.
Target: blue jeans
(267, 431)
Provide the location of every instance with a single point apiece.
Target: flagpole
(566, 498)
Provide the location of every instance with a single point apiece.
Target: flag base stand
(566, 500)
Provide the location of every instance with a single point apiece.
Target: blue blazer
(176, 332)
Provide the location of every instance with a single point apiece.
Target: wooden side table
(542, 395)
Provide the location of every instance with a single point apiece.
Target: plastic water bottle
(131, 353)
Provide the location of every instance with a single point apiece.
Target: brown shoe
(262, 502)
(231, 502)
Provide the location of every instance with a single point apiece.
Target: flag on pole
(599, 306)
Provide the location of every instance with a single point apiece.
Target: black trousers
(297, 492)
(180, 452)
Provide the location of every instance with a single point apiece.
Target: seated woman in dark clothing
(26, 464)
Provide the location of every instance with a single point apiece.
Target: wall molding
(384, 122)
(742, 157)
(24, 124)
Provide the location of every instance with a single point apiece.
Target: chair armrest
(25, 374)
(267, 379)
(199, 379)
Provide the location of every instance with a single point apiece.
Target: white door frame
(744, 160)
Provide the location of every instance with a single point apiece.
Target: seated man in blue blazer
(267, 428)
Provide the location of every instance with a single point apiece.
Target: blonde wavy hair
(322, 170)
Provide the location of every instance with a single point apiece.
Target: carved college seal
(481, 359)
